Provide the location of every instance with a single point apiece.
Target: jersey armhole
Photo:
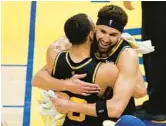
(95, 72)
(55, 63)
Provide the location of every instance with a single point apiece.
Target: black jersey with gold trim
(113, 57)
(64, 68)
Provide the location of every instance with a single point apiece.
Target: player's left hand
(77, 86)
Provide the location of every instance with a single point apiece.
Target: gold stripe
(94, 74)
(120, 52)
(114, 50)
(78, 67)
(55, 63)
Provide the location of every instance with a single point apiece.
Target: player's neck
(80, 52)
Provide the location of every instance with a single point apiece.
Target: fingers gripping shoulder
(60, 44)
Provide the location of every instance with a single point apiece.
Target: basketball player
(79, 29)
(109, 48)
(43, 80)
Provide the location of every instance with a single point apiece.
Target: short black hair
(113, 12)
(77, 28)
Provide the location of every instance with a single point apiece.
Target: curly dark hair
(113, 12)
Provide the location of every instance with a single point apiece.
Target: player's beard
(95, 48)
(104, 52)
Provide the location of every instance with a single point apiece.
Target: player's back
(64, 68)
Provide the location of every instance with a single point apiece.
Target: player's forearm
(122, 92)
(44, 81)
(88, 109)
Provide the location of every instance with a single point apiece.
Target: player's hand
(75, 85)
(128, 5)
(60, 104)
(61, 44)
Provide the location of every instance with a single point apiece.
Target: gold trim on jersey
(95, 72)
(76, 67)
(55, 62)
(113, 51)
(120, 53)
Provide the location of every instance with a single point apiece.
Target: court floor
(27, 30)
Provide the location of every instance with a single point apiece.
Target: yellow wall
(15, 32)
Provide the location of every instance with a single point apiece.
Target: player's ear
(91, 35)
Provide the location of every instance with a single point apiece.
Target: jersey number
(80, 117)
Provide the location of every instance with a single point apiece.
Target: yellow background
(50, 18)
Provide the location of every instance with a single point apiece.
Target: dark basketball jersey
(113, 57)
(64, 68)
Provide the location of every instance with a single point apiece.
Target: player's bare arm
(44, 80)
(105, 77)
(140, 89)
(123, 88)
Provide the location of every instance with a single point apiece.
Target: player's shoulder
(129, 53)
(127, 58)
